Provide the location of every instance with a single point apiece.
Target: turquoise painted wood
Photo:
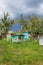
(15, 38)
(26, 36)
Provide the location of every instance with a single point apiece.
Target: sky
(17, 7)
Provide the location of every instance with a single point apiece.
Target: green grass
(25, 53)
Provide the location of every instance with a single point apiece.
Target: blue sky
(17, 7)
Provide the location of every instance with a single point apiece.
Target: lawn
(25, 53)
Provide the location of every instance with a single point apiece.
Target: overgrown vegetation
(26, 53)
(34, 24)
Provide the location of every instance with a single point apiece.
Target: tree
(23, 23)
(35, 24)
(6, 22)
(41, 27)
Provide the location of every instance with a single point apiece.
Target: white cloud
(5, 4)
(18, 6)
(12, 15)
(2, 8)
(40, 9)
(27, 10)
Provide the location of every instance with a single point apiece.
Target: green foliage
(35, 24)
(41, 27)
(26, 53)
(6, 23)
(23, 23)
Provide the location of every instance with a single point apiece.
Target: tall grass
(25, 53)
